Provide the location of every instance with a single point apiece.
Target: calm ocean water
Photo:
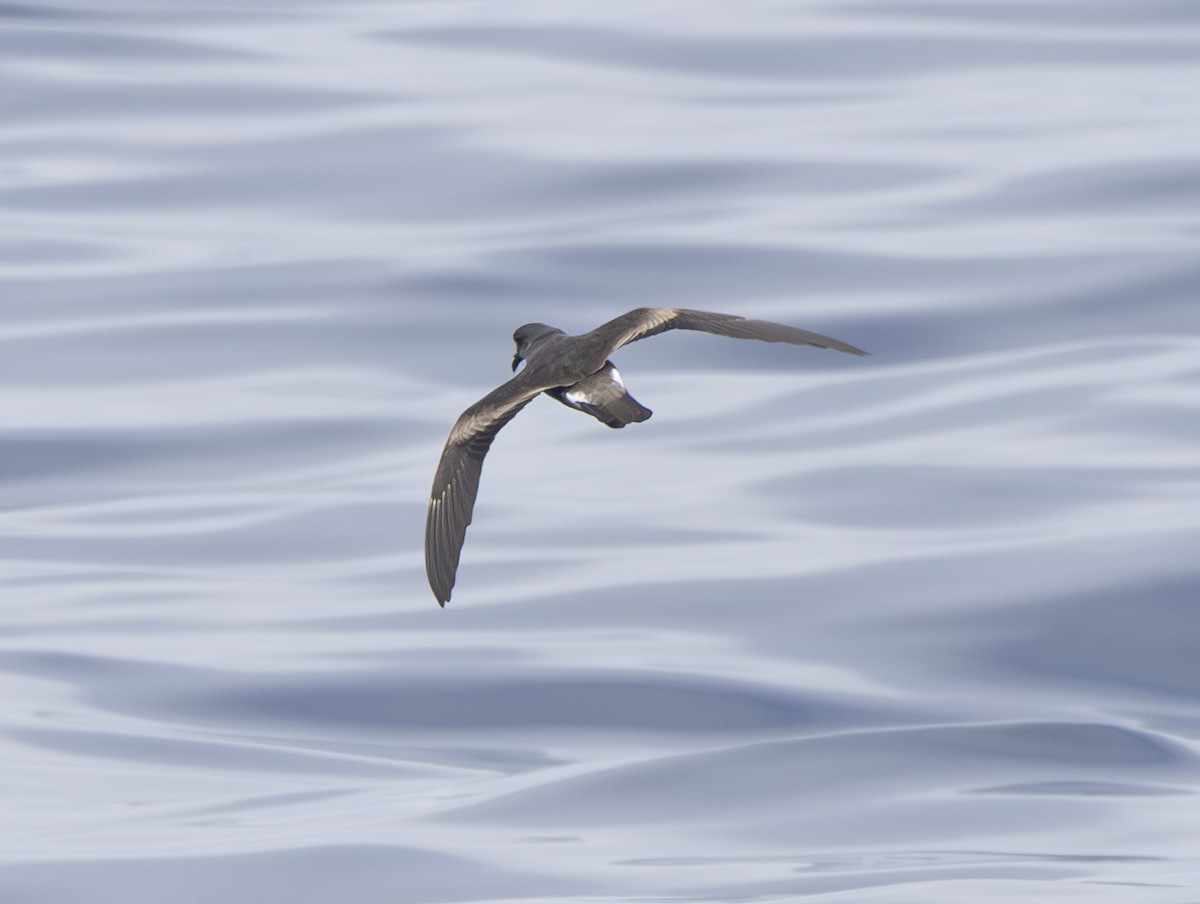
(920, 627)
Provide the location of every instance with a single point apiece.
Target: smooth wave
(914, 626)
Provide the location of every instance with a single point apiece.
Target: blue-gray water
(920, 627)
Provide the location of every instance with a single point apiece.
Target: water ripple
(915, 626)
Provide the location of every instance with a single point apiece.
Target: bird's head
(528, 338)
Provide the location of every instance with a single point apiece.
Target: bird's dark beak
(517, 359)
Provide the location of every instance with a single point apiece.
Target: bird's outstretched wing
(642, 322)
(456, 482)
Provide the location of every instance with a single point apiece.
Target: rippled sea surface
(918, 627)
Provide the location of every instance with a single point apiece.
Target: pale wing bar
(456, 483)
(644, 322)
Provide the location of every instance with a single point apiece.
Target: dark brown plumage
(576, 371)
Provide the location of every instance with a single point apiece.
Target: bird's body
(575, 371)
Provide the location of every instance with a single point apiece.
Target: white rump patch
(598, 384)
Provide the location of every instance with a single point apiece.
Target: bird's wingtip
(851, 349)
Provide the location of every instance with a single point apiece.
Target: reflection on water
(915, 626)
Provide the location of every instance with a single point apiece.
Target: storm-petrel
(576, 371)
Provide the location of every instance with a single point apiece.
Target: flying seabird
(576, 371)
